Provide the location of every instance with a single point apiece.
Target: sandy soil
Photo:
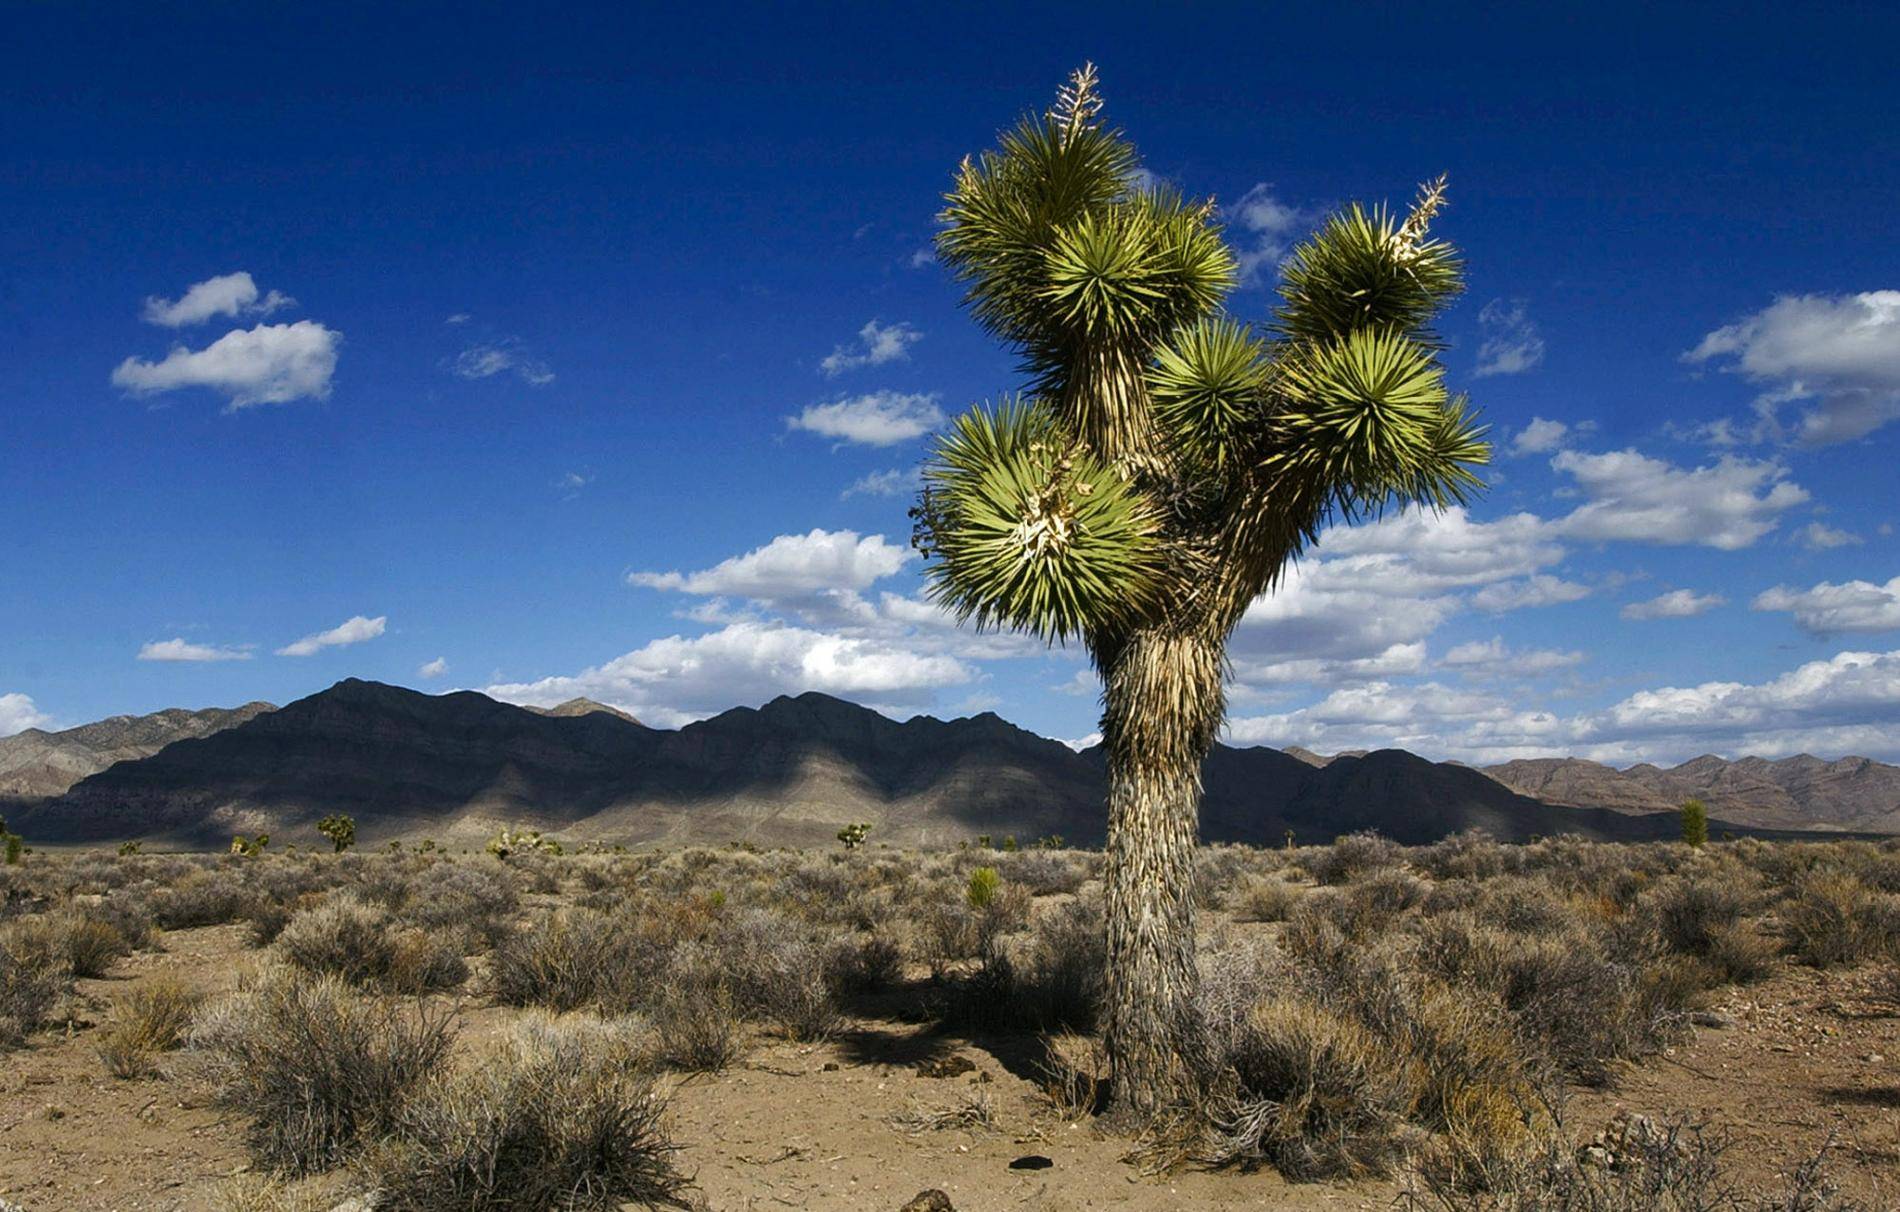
(1802, 1060)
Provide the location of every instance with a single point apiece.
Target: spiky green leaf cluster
(1208, 384)
(1032, 532)
(1364, 269)
(1369, 417)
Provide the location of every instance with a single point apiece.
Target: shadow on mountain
(792, 772)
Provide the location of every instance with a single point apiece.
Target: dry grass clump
(317, 1068)
(562, 961)
(362, 944)
(1351, 856)
(1264, 898)
(1676, 1166)
(1832, 918)
(67, 941)
(202, 898)
(560, 1114)
(1312, 1092)
(152, 1019)
(28, 989)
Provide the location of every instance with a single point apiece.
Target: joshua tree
(340, 829)
(1160, 469)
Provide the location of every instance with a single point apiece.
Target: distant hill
(1801, 792)
(792, 772)
(35, 763)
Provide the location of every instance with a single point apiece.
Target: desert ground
(1562, 1025)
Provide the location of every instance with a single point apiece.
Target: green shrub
(1695, 823)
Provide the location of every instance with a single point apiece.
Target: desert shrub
(342, 936)
(1266, 898)
(1216, 870)
(317, 1068)
(1578, 1007)
(427, 963)
(1705, 916)
(1673, 1166)
(947, 933)
(1832, 918)
(1471, 855)
(265, 1193)
(28, 989)
(1046, 872)
(202, 898)
(559, 1115)
(561, 962)
(451, 896)
(130, 915)
(696, 1023)
(778, 972)
(1351, 856)
(266, 921)
(1526, 905)
(67, 942)
(1056, 977)
(864, 965)
(1310, 1091)
(151, 1019)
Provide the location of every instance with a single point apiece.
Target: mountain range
(792, 772)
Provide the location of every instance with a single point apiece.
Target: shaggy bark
(1163, 703)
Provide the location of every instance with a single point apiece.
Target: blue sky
(592, 354)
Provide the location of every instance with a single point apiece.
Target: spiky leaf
(1207, 385)
(1029, 531)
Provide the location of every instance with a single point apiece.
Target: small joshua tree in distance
(340, 829)
(853, 835)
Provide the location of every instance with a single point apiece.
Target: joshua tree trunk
(1162, 705)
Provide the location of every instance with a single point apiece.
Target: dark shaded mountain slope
(456, 766)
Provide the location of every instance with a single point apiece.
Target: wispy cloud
(1510, 343)
(180, 649)
(1272, 227)
(231, 295)
(1676, 604)
(486, 359)
(877, 344)
(896, 482)
(352, 631)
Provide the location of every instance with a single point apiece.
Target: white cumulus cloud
(433, 669)
(1836, 355)
(1830, 609)
(1631, 497)
(878, 418)
(1539, 437)
(17, 714)
(1494, 658)
(268, 364)
(677, 679)
(791, 567)
(1818, 536)
(352, 631)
